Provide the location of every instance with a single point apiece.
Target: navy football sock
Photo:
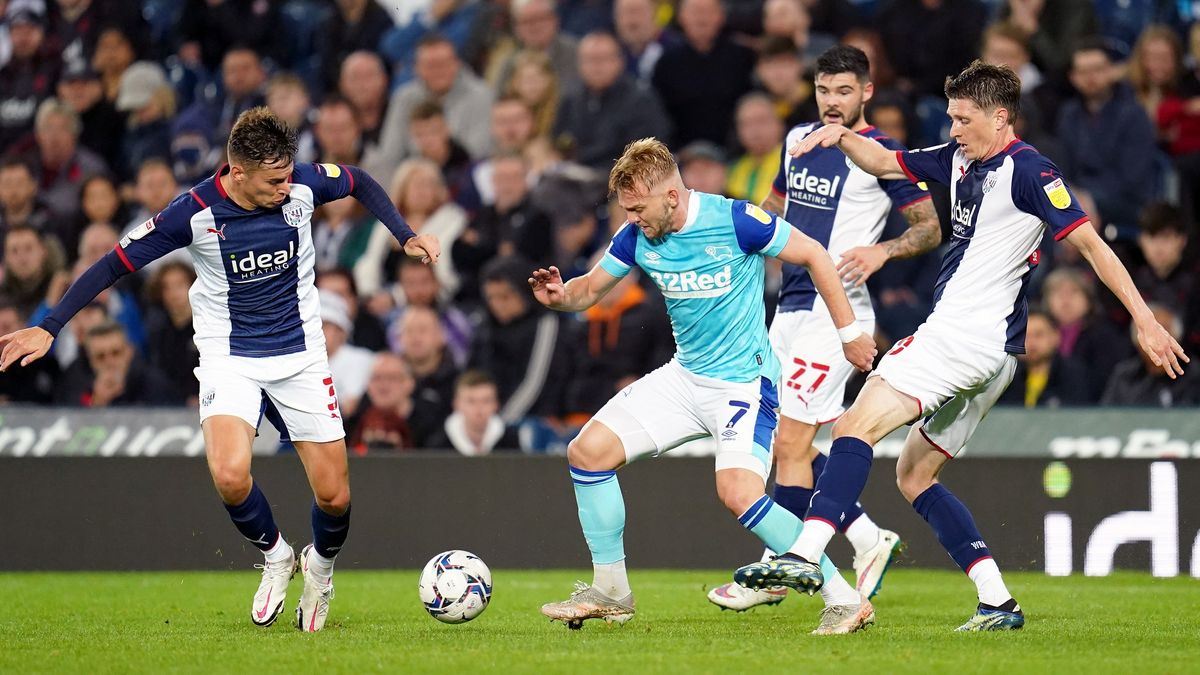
(953, 524)
(254, 520)
(329, 531)
(841, 482)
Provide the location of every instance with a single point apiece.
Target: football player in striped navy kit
(248, 229)
(705, 252)
(844, 209)
(946, 376)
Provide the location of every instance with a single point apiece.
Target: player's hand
(26, 345)
(1162, 349)
(548, 286)
(425, 247)
(825, 137)
(859, 263)
(860, 352)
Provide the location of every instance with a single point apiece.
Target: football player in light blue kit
(705, 252)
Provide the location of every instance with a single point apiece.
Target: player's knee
(737, 496)
(335, 501)
(793, 448)
(232, 483)
(912, 481)
(584, 452)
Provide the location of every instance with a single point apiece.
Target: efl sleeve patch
(137, 233)
(331, 170)
(1057, 191)
(758, 214)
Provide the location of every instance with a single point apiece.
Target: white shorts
(299, 386)
(954, 382)
(815, 369)
(671, 406)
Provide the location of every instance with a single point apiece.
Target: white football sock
(279, 552)
(611, 579)
(863, 534)
(837, 591)
(320, 566)
(989, 583)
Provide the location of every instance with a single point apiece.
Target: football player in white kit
(844, 209)
(248, 229)
(945, 378)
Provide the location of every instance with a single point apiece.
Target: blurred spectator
(417, 286)
(103, 127)
(780, 74)
(348, 364)
(34, 383)
(512, 130)
(470, 25)
(288, 97)
(1045, 378)
(882, 74)
(99, 203)
(1107, 141)
(535, 82)
(169, 330)
(75, 26)
(791, 20)
(210, 29)
(701, 80)
(947, 31)
(118, 376)
(354, 25)
(366, 330)
(1136, 381)
(643, 40)
(574, 197)
(624, 336)
(1156, 72)
(29, 267)
(1086, 337)
(892, 117)
(432, 140)
(27, 79)
(364, 83)
(535, 26)
(1184, 146)
(19, 203)
(423, 347)
(419, 192)
(465, 99)
(520, 344)
(203, 127)
(114, 53)
(387, 416)
(62, 165)
(337, 132)
(760, 134)
(1163, 278)
(511, 226)
(1005, 44)
(1054, 28)
(340, 232)
(475, 427)
(154, 188)
(702, 166)
(610, 109)
(149, 101)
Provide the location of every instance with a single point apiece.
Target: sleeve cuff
(783, 232)
(904, 167)
(609, 263)
(1070, 228)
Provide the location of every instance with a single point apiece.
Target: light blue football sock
(778, 528)
(601, 514)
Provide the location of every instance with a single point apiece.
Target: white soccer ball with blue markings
(455, 586)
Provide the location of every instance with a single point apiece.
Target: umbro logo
(652, 256)
(220, 232)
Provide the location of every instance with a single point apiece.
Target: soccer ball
(455, 586)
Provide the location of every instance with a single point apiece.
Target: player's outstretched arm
(1163, 350)
(26, 345)
(372, 195)
(575, 295)
(866, 153)
(924, 233)
(801, 249)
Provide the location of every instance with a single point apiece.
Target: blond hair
(645, 163)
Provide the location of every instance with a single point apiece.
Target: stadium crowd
(494, 124)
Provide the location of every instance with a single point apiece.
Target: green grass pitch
(198, 622)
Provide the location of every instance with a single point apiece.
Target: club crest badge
(293, 213)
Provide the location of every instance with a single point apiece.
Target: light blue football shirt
(711, 274)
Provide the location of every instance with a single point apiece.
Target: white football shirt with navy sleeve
(711, 274)
(254, 293)
(998, 209)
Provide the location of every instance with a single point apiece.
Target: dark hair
(426, 110)
(156, 163)
(473, 378)
(512, 270)
(844, 59)
(989, 87)
(1160, 217)
(17, 163)
(259, 138)
(342, 273)
(434, 38)
(107, 327)
(1045, 314)
(1090, 44)
(154, 287)
(777, 46)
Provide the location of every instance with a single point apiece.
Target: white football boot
(272, 590)
(870, 567)
(740, 599)
(314, 600)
